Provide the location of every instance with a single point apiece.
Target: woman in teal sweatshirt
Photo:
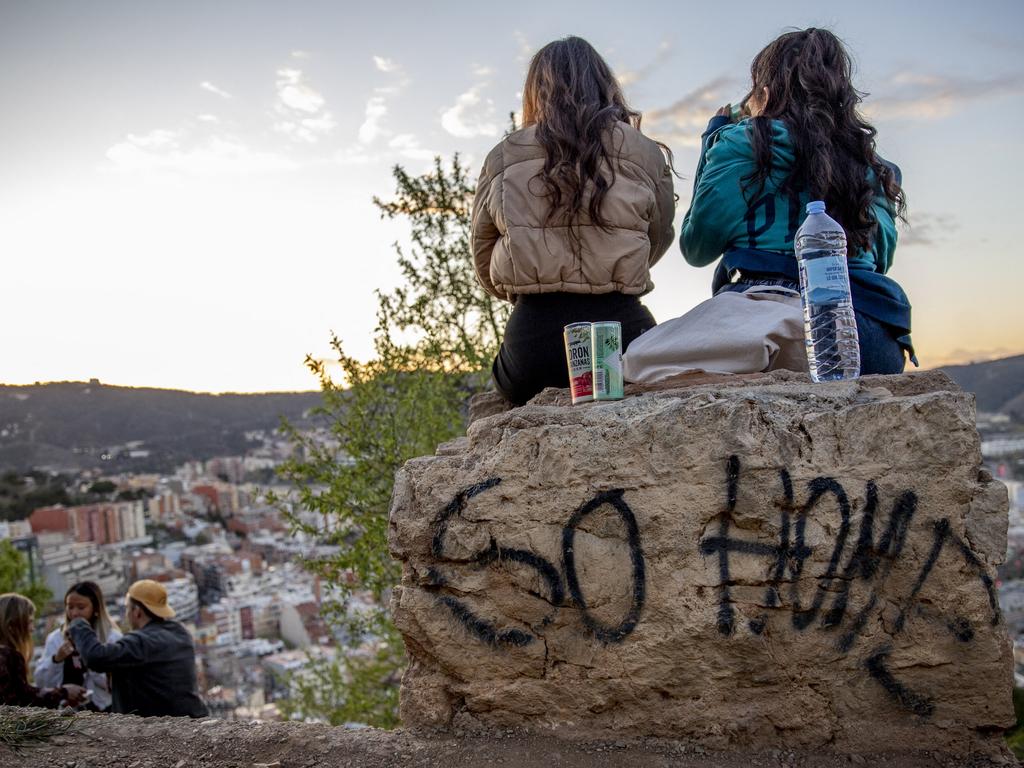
(800, 138)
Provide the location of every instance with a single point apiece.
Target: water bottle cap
(816, 206)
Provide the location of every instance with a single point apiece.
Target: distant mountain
(73, 425)
(70, 425)
(998, 385)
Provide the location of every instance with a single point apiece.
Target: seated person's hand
(76, 694)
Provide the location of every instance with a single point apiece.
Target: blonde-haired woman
(16, 615)
(61, 663)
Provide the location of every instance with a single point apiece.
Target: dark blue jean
(879, 350)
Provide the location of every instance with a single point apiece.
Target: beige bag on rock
(760, 329)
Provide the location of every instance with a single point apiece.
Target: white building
(164, 507)
(16, 529)
(1001, 446)
(1015, 490)
(183, 597)
(63, 562)
(132, 515)
(228, 621)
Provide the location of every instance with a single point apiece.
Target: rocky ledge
(123, 741)
(741, 563)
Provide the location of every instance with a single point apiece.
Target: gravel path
(118, 741)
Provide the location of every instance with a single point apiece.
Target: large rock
(746, 562)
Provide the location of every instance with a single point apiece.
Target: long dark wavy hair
(573, 98)
(808, 78)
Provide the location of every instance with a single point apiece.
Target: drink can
(607, 360)
(577, 356)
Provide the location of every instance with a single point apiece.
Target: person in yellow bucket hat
(151, 596)
(153, 667)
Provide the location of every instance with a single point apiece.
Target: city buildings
(229, 562)
(121, 522)
(64, 561)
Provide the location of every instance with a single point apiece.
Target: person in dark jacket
(153, 667)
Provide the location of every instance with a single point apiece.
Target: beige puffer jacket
(514, 252)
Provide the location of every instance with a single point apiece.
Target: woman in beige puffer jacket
(570, 213)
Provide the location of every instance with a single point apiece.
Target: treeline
(20, 494)
(72, 425)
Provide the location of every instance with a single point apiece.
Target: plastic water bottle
(830, 327)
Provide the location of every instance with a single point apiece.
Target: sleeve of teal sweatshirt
(885, 215)
(885, 236)
(718, 208)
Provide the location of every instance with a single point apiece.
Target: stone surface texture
(126, 741)
(743, 562)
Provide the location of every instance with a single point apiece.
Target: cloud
(376, 109)
(409, 146)
(166, 152)
(155, 139)
(207, 118)
(295, 94)
(524, 51)
(385, 64)
(206, 85)
(404, 145)
(906, 95)
(300, 54)
(929, 229)
(373, 131)
(306, 129)
(472, 115)
(300, 108)
(354, 155)
(630, 77)
(683, 121)
(909, 95)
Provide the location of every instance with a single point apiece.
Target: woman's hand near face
(757, 103)
(66, 649)
(725, 111)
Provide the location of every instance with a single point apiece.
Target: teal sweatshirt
(721, 219)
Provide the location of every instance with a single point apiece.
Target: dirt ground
(118, 741)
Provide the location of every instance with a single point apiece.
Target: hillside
(70, 425)
(997, 384)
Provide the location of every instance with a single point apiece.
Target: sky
(186, 188)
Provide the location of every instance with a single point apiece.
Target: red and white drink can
(578, 357)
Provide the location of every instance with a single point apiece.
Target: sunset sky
(185, 188)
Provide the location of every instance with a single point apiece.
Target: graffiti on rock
(868, 559)
(554, 578)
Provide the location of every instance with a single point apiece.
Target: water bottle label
(827, 278)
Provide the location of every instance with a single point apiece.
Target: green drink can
(577, 356)
(607, 359)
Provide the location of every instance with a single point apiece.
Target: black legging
(532, 354)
